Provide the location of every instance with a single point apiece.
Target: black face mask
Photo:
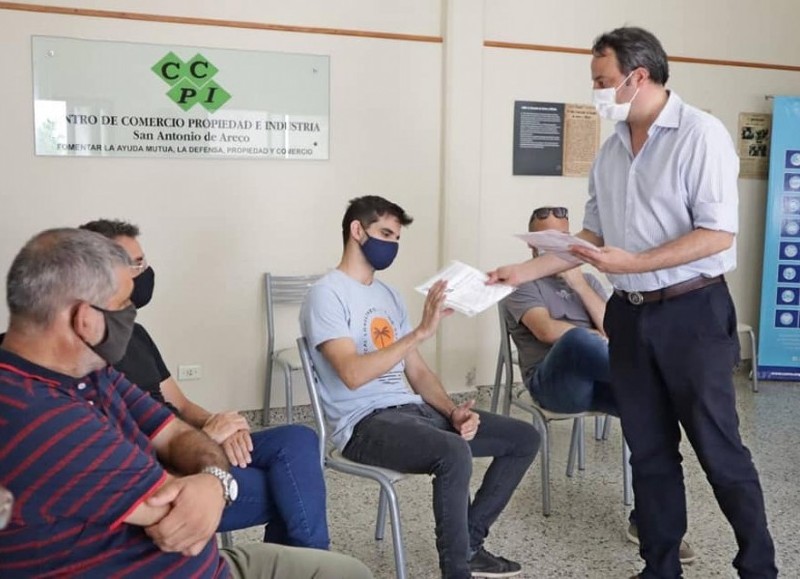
(143, 288)
(119, 327)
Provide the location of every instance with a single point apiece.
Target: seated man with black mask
(290, 499)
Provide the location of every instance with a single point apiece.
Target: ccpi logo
(191, 82)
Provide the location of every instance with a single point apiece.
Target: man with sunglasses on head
(662, 209)
(556, 323)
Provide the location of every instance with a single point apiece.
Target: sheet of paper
(558, 242)
(467, 291)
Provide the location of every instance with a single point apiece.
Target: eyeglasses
(544, 212)
(138, 267)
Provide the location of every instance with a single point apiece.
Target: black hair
(368, 209)
(634, 48)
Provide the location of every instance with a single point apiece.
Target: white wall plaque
(117, 99)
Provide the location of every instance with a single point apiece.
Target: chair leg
(498, 377)
(581, 446)
(606, 427)
(380, 522)
(508, 393)
(627, 478)
(754, 358)
(574, 444)
(397, 531)
(227, 539)
(599, 422)
(287, 380)
(267, 393)
(545, 454)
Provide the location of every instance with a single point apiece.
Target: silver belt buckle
(635, 298)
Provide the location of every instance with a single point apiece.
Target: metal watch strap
(224, 477)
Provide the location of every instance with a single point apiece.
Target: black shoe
(484, 564)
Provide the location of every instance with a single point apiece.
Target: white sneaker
(686, 554)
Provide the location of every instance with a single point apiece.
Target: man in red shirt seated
(81, 447)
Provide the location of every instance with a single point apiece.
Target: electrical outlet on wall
(190, 372)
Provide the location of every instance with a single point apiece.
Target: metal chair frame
(333, 459)
(282, 290)
(542, 417)
(748, 329)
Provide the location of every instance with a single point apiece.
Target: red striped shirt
(78, 458)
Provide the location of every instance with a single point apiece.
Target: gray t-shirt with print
(561, 302)
(374, 317)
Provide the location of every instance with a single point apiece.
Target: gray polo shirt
(561, 302)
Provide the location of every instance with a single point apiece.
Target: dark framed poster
(554, 138)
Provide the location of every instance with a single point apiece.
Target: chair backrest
(284, 289)
(312, 382)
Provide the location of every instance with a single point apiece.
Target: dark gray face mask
(119, 327)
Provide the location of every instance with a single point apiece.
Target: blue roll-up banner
(779, 335)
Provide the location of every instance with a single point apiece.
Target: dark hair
(635, 47)
(112, 228)
(368, 209)
(59, 267)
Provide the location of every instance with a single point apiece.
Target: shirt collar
(669, 117)
(34, 371)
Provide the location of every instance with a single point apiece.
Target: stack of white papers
(558, 242)
(467, 291)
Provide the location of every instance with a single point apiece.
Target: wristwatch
(230, 489)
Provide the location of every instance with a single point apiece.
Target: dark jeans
(415, 438)
(574, 375)
(283, 487)
(671, 364)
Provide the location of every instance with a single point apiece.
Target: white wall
(425, 124)
(211, 228)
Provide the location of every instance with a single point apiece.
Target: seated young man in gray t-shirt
(388, 409)
(557, 324)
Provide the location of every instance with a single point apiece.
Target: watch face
(233, 489)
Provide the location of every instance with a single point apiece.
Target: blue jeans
(283, 488)
(575, 375)
(415, 438)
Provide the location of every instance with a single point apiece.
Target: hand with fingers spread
(223, 425)
(433, 310)
(196, 508)
(238, 447)
(464, 420)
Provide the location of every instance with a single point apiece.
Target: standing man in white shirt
(663, 208)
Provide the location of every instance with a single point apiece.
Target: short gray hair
(59, 267)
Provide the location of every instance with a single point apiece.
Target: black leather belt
(639, 298)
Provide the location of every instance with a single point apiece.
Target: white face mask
(605, 101)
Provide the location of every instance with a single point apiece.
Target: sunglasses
(544, 212)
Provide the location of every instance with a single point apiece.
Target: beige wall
(428, 125)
